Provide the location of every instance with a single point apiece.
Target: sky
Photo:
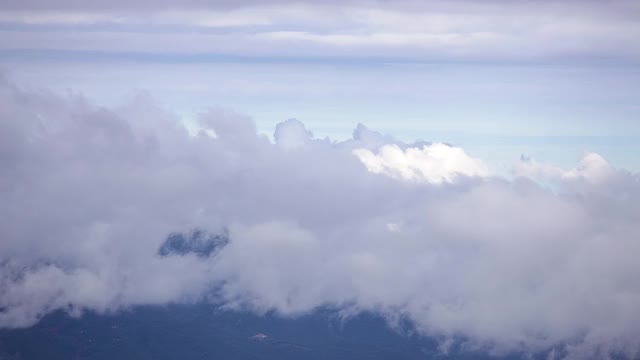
(468, 166)
(549, 79)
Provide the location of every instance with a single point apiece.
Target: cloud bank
(103, 209)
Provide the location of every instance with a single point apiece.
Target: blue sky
(549, 80)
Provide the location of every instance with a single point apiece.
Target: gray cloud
(89, 196)
(495, 31)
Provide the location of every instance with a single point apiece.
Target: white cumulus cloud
(435, 163)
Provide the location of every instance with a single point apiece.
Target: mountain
(203, 331)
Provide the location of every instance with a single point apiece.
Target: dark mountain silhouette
(197, 242)
(203, 331)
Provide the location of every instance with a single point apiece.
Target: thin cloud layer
(94, 199)
(468, 31)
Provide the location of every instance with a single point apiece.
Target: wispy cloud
(416, 31)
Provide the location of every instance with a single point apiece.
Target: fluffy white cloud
(434, 163)
(89, 195)
(592, 168)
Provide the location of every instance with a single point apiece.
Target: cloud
(292, 134)
(592, 168)
(492, 31)
(91, 198)
(434, 163)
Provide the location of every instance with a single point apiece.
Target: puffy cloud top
(292, 134)
(433, 163)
